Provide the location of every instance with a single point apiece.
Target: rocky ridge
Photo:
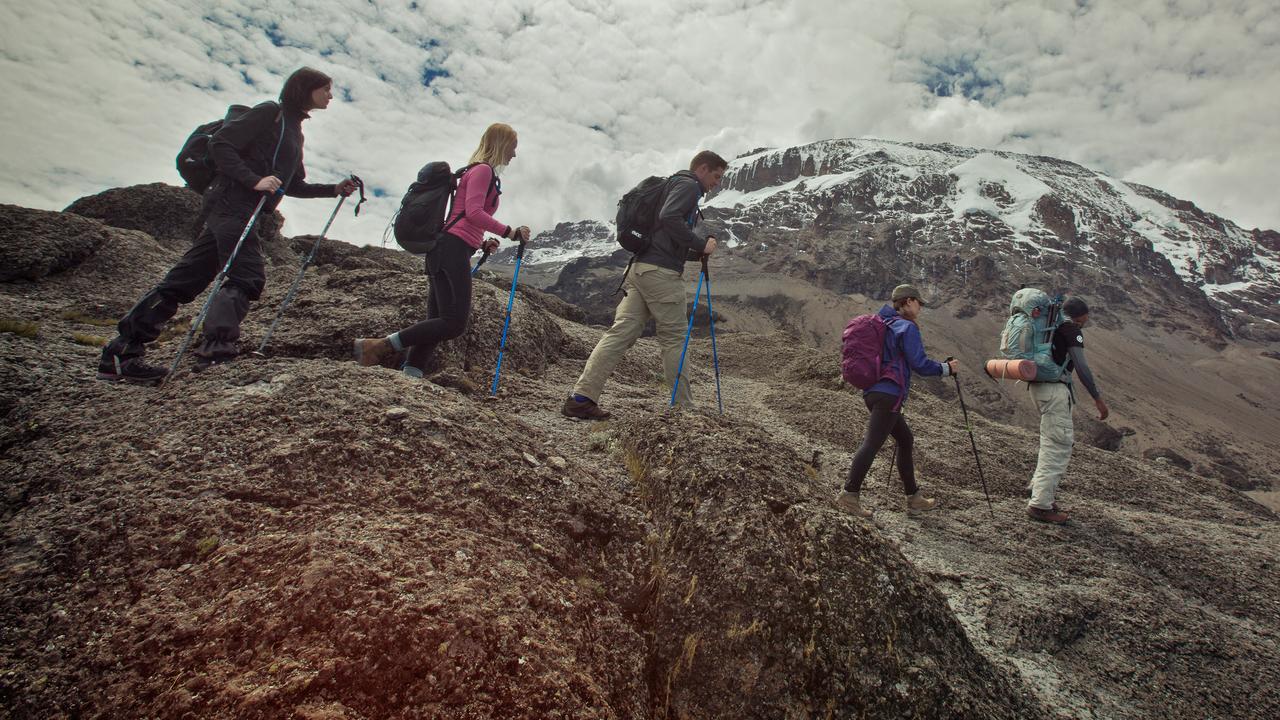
(298, 536)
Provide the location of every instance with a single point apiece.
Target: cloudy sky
(1178, 94)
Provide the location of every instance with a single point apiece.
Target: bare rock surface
(36, 243)
(297, 536)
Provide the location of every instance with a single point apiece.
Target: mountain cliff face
(857, 215)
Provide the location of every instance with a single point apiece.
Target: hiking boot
(852, 504)
(372, 351)
(583, 410)
(131, 370)
(204, 363)
(918, 502)
(1057, 517)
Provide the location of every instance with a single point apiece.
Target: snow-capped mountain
(856, 214)
(553, 249)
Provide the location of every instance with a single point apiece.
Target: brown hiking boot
(583, 410)
(852, 504)
(920, 503)
(1057, 517)
(372, 351)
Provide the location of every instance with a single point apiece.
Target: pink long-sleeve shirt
(479, 203)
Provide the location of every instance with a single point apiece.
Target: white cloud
(1178, 95)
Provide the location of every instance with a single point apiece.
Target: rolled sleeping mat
(1002, 369)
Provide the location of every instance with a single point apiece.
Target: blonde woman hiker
(449, 262)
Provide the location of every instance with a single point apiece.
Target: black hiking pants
(448, 300)
(884, 421)
(193, 273)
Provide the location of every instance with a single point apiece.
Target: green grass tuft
(91, 340)
(79, 316)
(19, 327)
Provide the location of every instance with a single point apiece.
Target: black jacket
(674, 243)
(244, 149)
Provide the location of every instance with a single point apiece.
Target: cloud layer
(1177, 95)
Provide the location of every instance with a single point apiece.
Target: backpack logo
(1028, 333)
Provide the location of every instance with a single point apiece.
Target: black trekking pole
(497, 371)
(974, 443)
(217, 285)
(715, 358)
(297, 281)
(484, 256)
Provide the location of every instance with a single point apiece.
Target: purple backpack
(862, 351)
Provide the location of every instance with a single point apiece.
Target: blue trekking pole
(715, 358)
(680, 368)
(497, 372)
(483, 257)
(217, 285)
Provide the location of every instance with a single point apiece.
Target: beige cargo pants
(655, 292)
(1056, 436)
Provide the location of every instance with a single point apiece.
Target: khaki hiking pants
(655, 292)
(1056, 435)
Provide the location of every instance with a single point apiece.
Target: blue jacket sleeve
(913, 351)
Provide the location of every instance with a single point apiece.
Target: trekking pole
(297, 281)
(715, 358)
(974, 443)
(483, 257)
(497, 371)
(692, 314)
(217, 285)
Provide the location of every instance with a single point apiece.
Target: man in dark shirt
(654, 289)
(1054, 400)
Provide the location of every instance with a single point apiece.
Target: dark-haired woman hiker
(904, 352)
(449, 263)
(257, 153)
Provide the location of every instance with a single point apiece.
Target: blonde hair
(495, 144)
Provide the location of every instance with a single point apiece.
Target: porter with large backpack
(1028, 333)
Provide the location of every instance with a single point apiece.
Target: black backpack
(638, 213)
(195, 162)
(423, 209)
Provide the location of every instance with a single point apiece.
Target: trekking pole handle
(359, 186)
(705, 273)
(520, 249)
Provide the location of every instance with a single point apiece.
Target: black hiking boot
(583, 410)
(113, 368)
(204, 363)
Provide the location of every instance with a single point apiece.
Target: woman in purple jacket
(903, 352)
(449, 263)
